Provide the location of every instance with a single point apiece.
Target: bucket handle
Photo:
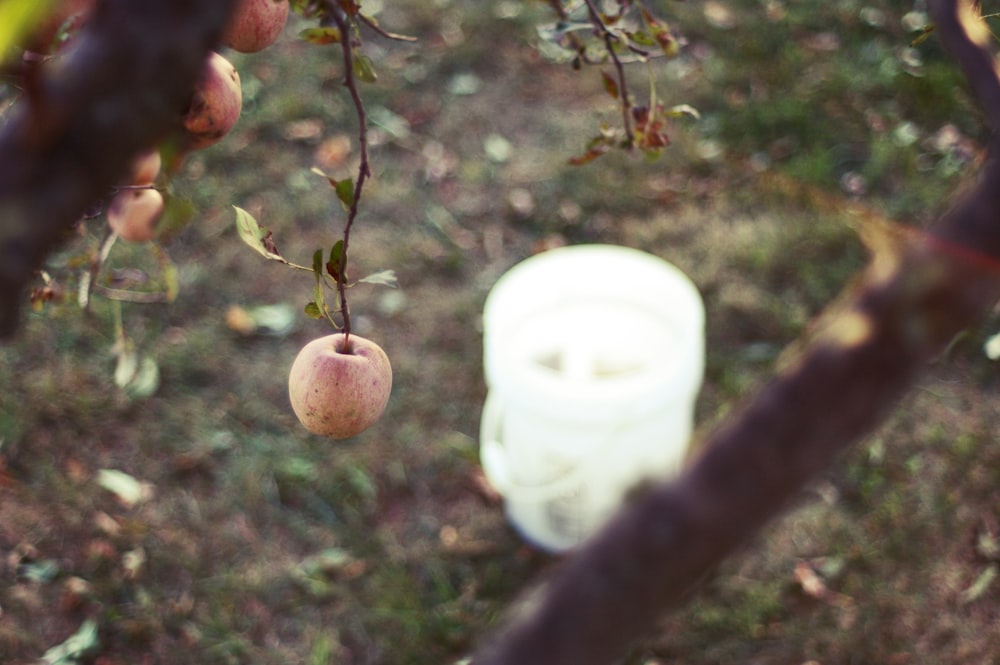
(494, 458)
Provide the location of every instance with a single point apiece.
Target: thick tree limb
(919, 291)
(123, 88)
(961, 28)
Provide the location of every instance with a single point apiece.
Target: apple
(255, 25)
(63, 19)
(215, 105)
(338, 392)
(145, 168)
(133, 214)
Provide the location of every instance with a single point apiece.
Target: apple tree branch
(122, 88)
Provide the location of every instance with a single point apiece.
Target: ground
(247, 540)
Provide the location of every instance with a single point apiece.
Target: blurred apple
(338, 392)
(255, 25)
(133, 214)
(215, 105)
(145, 168)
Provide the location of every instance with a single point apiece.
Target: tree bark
(121, 88)
(920, 290)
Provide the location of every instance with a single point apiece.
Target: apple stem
(364, 169)
(345, 346)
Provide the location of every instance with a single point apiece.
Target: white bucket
(593, 356)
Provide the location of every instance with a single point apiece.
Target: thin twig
(370, 22)
(364, 168)
(558, 8)
(609, 40)
(125, 295)
(89, 279)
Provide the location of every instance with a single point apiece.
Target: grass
(262, 544)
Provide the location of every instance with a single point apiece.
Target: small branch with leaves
(330, 274)
(351, 196)
(631, 34)
(339, 23)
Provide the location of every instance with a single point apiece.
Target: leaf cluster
(329, 273)
(589, 36)
(630, 33)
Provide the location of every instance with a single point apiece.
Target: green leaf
(336, 252)
(610, 84)
(683, 110)
(318, 296)
(343, 188)
(317, 268)
(318, 264)
(256, 236)
(137, 375)
(383, 278)
(596, 147)
(171, 278)
(321, 36)
(364, 69)
(146, 380)
(313, 311)
(336, 258)
(127, 365)
(345, 191)
(642, 38)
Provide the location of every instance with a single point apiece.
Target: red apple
(133, 214)
(255, 25)
(339, 392)
(216, 104)
(145, 168)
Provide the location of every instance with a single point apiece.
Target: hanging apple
(255, 25)
(133, 214)
(215, 105)
(145, 168)
(336, 391)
